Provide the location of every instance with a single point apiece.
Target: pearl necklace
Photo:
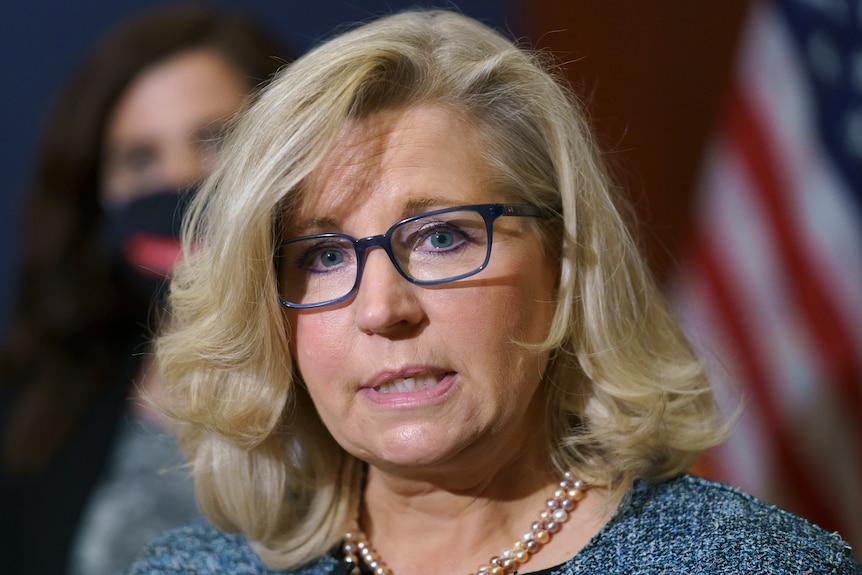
(356, 546)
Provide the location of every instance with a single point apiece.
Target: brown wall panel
(652, 74)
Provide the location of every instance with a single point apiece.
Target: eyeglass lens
(429, 249)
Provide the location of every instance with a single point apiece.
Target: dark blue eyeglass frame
(489, 213)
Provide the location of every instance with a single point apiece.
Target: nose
(386, 303)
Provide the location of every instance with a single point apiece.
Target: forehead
(419, 155)
(177, 94)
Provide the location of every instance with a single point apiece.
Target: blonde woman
(412, 335)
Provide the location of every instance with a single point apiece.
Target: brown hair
(69, 305)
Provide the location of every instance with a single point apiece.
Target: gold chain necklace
(568, 493)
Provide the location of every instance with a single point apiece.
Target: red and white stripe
(771, 294)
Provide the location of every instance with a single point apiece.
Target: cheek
(521, 309)
(488, 321)
(504, 375)
(314, 343)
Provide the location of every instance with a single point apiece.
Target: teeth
(408, 384)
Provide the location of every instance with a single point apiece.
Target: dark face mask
(142, 240)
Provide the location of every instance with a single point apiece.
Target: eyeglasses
(427, 249)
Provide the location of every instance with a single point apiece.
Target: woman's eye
(330, 258)
(323, 258)
(135, 160)
(441, 239)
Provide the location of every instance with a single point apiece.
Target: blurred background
(736, 129)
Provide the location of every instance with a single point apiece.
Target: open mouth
(410, 384)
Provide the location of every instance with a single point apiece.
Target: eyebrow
(411, 208)
(417, 206)
(312, 224)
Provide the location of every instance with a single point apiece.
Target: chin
(414, 448)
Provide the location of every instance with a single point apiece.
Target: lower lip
(412, 398)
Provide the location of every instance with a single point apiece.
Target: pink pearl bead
(575, 494)
(550, 522)
(560, 516)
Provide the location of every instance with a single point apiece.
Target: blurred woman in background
(128, 140)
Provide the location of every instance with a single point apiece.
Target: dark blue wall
(42, 41)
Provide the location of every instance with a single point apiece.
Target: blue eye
(317, 256)
(331, 258)
(438, 238)
(441, 240)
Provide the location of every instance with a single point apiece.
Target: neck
(453, 495)
(456, 515)
(458, 530)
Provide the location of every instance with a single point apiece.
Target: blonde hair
(626, 396)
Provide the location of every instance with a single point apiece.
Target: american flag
(771, 288)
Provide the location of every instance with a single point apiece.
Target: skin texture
(165, 129)
(382, 170)
(458, 470)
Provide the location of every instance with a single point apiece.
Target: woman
(132, 133)
(485, 381)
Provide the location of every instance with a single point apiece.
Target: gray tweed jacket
(686, 526)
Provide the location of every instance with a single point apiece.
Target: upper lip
(388, 376)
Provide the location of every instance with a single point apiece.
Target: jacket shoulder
(199, 548)
(693, 525)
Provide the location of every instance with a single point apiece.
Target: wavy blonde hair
(626, 396)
